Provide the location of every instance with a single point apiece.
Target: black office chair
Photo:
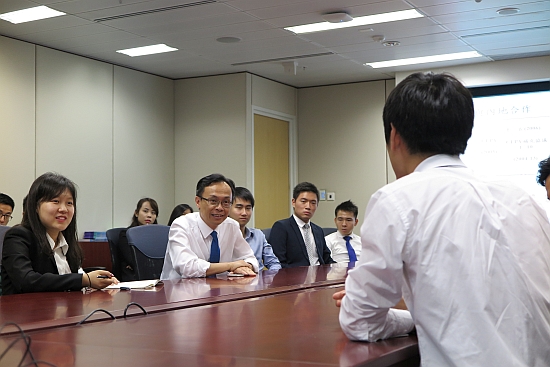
(148, 244)
(329, 230)
(113, 235)
(267, 232)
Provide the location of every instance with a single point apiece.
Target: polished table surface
(297, 328)
(34, 311)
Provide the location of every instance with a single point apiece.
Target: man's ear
(396, 142)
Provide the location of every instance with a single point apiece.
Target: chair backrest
(267, 232)
(329, 230)
(148, 244)
(113, 235)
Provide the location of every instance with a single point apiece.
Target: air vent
(283, 58)
(158, 10)
(507, 31)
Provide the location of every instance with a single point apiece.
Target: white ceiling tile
(193, 30)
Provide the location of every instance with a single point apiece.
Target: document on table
(138, 284)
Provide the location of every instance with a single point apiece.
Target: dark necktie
(351, 251)
(214, 249)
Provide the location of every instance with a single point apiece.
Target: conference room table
(33, 311)
(297, 328)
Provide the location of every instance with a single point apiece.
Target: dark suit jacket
(26, 268)
(288, 244)
(126, 258)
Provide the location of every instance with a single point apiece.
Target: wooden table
(45, 310)
(299, 328)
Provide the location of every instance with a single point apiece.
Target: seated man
(344, 245)
(241, 211)
(6, 209)
(295, 240)
(471, 256)
(544, 174)
(207, 242)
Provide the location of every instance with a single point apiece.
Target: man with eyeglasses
(6, 209)
(207, 242)
(295, 240)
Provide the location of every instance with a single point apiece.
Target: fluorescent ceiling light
(424, 59)
(30, 14)
(147, 50)
(359, 21)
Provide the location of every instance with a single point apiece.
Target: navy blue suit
(289, 247)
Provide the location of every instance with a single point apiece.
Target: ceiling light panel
(147, 50)
(424, 59)
(356, 22)
(30, 14)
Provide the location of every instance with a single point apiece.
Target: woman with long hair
(42, 254)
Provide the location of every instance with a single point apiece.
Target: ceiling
(97, 28)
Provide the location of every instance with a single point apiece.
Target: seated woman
(179, 210)
(146, 213)
(42, 254)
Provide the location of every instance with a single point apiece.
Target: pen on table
(104, 277)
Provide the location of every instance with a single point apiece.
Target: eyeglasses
(7, 217)
(215, 202)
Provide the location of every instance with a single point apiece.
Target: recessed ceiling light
(30, 14)
(147, 50)
(229, 39)
(508, 11)
(358, 21)
(424, 59)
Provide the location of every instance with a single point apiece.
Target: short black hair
(304, 187)
(544, 171)
(6, 200)
(347, 206)
(244, 194)
(433, 113)
(212, 179)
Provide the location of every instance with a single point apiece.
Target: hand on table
(338, 296)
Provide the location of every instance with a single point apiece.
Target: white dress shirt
(189, 243)
(313, 257)
(337, 246)
(471, 258)
(59, 253)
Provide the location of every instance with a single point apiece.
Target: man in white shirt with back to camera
(470, 256)
(207, 242)
(344, 245)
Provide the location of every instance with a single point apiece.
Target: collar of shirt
(300, 222)
(63, 245)
(205, 228)
(352, 235)
(439, 160)
(248, 233)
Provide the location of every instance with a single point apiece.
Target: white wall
(108, 129)
(73, 129)
(143, 153)
(341, 145)
(210, 131)
(17, 110)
